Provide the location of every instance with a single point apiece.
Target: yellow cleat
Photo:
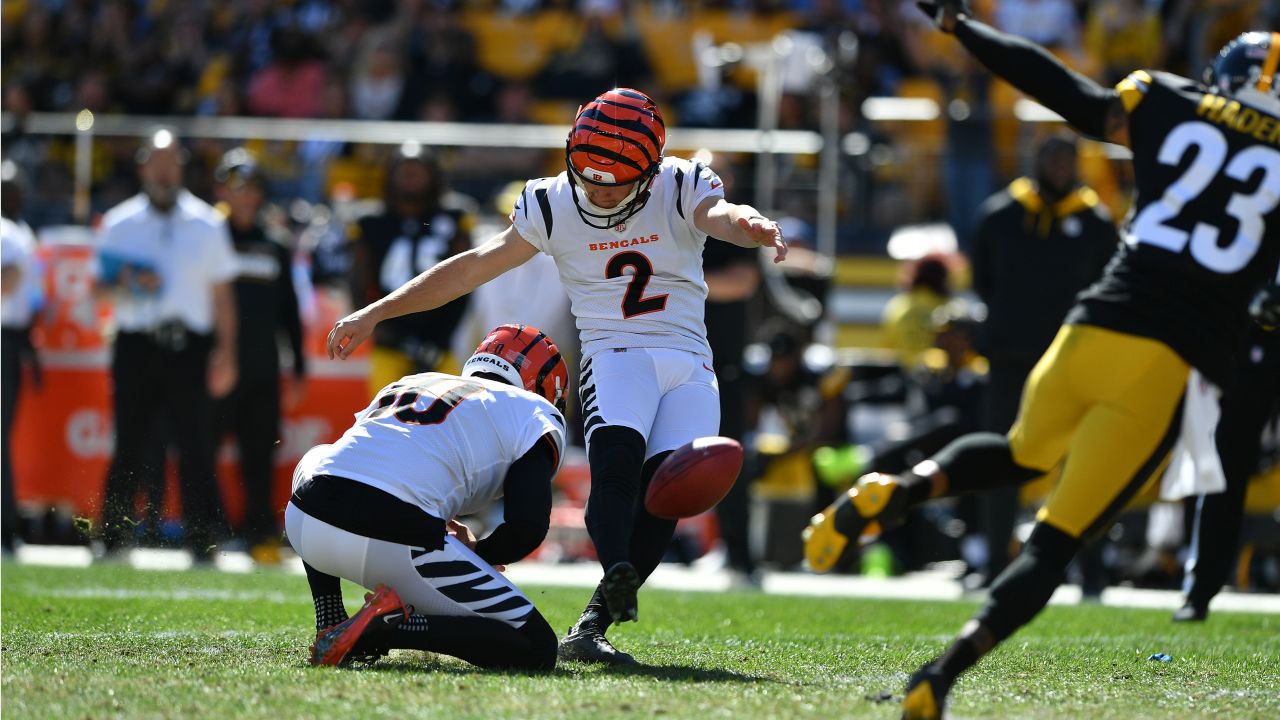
(266, 553)
(855, 514)
(925, 697)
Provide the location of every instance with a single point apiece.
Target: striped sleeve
(695, 182)
(1133, 89)
(532, 216)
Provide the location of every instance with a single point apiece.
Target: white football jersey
(639, 283)
(441, 442)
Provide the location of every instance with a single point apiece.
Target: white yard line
(100, 592)
(916, 586)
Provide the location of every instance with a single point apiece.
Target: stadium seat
(668, 42)
(516, 47)
(552, 112)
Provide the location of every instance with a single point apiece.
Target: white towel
(1194, 466)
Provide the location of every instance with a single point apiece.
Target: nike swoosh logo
(705, 366)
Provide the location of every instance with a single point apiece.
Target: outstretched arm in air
(448, 280)
(1092, 109)
(741, 225)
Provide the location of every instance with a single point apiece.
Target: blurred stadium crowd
(533, 61)
(813, 419)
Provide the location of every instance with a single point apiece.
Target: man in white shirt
(18, 285)
(166, 261)
(379, 506)
(626, 228)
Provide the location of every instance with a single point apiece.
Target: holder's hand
(462, 533)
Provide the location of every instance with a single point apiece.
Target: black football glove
(944, 13)
(1265, 307)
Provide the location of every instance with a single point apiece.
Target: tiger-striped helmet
(525, 357)
(617, 139)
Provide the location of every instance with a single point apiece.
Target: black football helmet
(1249, 61)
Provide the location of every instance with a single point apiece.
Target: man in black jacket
(268, 308)
(1039, 241)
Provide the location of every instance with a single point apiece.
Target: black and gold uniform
(1039, 243)
(1032, 255)
(1205, 228)
(1203, 235)
(393, 250)
(1107, 395)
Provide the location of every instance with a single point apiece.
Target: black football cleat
(621, 583)
(585, 643)
(926, 695)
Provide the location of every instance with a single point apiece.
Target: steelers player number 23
(403, 401)
(1209, 149)
(633, 301)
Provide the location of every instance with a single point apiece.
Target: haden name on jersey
(1231, 114)
(615, 244)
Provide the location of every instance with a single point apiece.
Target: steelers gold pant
(387, 365)
(1111, 405)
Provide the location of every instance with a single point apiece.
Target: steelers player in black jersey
(1103, 406)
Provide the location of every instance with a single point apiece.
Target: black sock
(596, 614)
(650, 537)
(481, 641)
(974, 463)
(326, 594)
(329, 611)
(964, 653)
(918, 488)
(650, 534)
(1024, 588)
(414, 623)
(616, 455)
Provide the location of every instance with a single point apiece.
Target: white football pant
(670, 397)
(450, 581)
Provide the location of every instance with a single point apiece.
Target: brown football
(694, 478)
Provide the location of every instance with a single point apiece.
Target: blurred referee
(165, 260)
(268, 307)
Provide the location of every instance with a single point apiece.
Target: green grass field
(109, 641)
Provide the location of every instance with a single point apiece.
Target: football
(694, 478)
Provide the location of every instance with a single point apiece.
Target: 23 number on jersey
(633, 301)
(404, 401)
(1210, 148)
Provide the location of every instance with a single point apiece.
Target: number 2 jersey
(639, 283)
(441, 442)
(1204, 233)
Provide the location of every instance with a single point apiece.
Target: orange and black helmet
(617, 139)
(525, 357)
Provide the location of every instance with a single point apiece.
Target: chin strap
(591, 214)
